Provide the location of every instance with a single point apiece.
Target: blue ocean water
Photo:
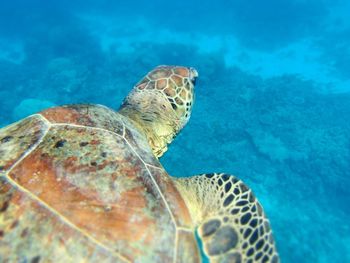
(272, 100)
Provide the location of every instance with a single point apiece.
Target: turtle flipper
(230, 221)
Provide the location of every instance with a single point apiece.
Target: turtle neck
(154, 118)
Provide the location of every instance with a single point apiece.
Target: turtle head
(160, 104)
(172, 87)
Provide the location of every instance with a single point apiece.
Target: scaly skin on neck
(159, 125)
(160, 104)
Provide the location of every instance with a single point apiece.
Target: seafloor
(272, 102)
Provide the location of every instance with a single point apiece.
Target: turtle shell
(80, 183)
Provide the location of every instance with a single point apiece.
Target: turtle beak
(193, 75)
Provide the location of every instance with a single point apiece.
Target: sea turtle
(83, 183)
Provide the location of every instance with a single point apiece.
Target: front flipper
(230, 221)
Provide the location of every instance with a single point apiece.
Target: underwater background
(272, 99)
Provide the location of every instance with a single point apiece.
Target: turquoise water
(272, 100)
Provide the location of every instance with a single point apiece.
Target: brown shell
(79, 183)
